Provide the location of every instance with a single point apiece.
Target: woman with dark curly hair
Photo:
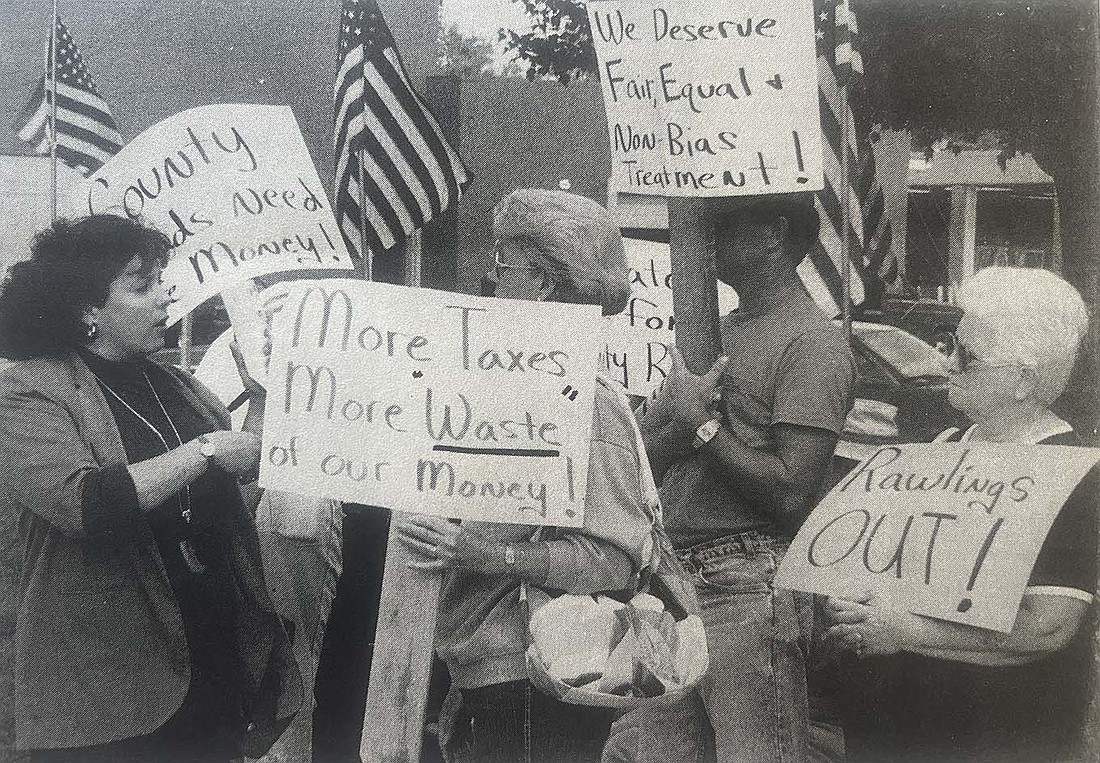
(144, 630)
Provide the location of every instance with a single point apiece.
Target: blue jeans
(752, 705)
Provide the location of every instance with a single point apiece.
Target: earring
(92, 329)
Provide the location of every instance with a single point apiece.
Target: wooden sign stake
(401, 667)
(393, 722)
(694, 286)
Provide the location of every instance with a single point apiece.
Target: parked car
(934, 322)
(901, 393)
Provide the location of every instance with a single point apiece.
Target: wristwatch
(206, 447)
(705, 433)
(510, 556)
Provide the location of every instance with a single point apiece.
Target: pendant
(191, 558)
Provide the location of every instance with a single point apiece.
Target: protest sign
(637, 352)
(946, 530)
(234, 189)
(432, 402)
(709, 99)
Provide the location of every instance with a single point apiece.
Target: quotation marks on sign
(569, 392)
(776, 82)
(418, 374)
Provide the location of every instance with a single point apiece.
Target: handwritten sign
(709, 99)
(233, 187)
(637, 352)
(946, 530)
(431, 402)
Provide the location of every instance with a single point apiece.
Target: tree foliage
(951, 69)
(559, 43)
(464, 55)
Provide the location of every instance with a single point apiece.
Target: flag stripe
(383, 126)
(432, 132)
(80, 102)
(67, 126)
(86, 133)
(385, 138)
(868, 232)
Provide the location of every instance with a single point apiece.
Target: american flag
(87, 135)
(839, 64)
(386, 140)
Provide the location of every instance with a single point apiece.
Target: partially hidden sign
(431, 402)
(709, 99)
(637, 351)
(946, 530)
(233, 187)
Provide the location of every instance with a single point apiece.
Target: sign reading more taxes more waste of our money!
(431, 402)
(709, 99)
(234, 189)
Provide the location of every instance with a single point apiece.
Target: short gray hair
(1037, 318)
(572, 239)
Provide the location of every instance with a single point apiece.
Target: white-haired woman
(949, 691)
(556, 246)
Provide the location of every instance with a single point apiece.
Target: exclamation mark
(798, 158)
(966, 604)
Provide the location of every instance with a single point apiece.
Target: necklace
(186, 549)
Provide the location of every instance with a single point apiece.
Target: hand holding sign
(868, 626)
(443, 545)
(693, 396)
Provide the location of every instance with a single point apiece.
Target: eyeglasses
(966, 360)
(499, 267)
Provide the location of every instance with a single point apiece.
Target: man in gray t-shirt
(741, 453)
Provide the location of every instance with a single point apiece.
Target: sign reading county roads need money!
(233, 187)
(709, 99)
(431, 402)
(946, 530)
(637, 352)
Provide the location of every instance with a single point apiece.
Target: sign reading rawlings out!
(234, 189)
(431, 402)
(946, 530)
(709, 99)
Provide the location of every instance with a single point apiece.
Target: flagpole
(53, 114)
(845, 215)
(365, 251)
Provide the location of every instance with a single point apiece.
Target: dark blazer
(100, 651)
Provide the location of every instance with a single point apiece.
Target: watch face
(708, 430)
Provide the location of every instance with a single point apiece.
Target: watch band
(705, 433)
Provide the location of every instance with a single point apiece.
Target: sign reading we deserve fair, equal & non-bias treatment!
(431, 402)
(946, 530)
(709, 99)
(232, 186)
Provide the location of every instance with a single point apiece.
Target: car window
(909, 355)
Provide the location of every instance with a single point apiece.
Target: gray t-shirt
(789, 366)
